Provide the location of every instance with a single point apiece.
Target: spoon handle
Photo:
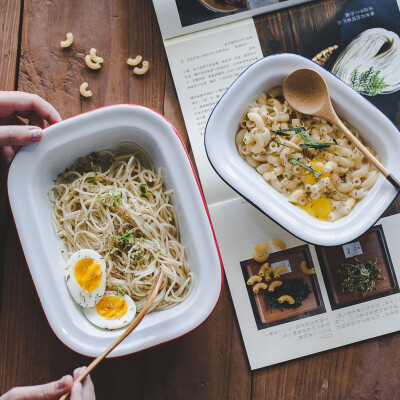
(368, 155)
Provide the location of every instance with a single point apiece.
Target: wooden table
(209, 363)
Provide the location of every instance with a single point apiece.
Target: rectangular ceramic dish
(31, 175)
(374, 127)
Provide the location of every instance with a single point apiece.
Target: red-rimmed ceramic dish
(31, 175)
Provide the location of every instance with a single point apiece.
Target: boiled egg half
(86, 277)
(112, 312)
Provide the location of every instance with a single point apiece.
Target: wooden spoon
(306, 91)
(130, 328)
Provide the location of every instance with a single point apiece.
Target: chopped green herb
(308, 139)
(319, 146)
(282, 132)
(313, 171)
(143, 191)
(127, 240)
(120, 290)
(361, 276)
(137, 256)
(313, 144)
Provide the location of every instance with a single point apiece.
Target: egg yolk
(317, 166)
(112, 307)
(88, 274)
(319, 208)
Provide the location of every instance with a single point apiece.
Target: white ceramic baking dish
(375, 129)
(32, 173)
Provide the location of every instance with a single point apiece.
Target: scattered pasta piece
(259, 286)
(261, 248)
(268, 273)
(253, 279)
(261, 254)
(263, 268)
(95, 58)
(84, 91)
(134, 61)
(260, 258)
(68, 41)
(304, 269)
(143, 69)
(279, 270)
(280, 244)
(91, 64)
(274, 285)
(287, 298)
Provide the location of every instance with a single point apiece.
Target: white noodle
(365, 54)
(98, 202)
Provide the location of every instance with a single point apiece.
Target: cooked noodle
(110, 202)
(370, 63)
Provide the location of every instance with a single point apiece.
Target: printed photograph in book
(359, 271)
(357, 40)
(195, 11)
(281, 284)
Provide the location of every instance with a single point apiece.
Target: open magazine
(205, 57)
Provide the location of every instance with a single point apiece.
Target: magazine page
(328, 316)
(180, 17)
(203, 65)
(358, 40)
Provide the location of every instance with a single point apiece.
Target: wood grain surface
(209, 363)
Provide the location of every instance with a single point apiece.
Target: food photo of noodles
(370, 63)
(115, 203)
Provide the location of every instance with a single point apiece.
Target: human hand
(82, 391)
(54, 390)
(13, 130)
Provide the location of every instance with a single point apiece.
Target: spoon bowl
(305, 90)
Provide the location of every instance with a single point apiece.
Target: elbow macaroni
(134, 61)
(262, 285)
(253, 279)
(90, 63)
(143, 69)
(345, 174)
(84, 90)
(95, 57)
(279, 270)
(265, 267)
(305, 270)
(68, 41)
(274, 285)
(287, 298)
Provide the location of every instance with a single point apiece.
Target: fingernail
(35, 134)
(62, 382)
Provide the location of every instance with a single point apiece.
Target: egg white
(82, 296)
(96, 319)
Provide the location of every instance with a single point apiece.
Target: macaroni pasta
(305, 158)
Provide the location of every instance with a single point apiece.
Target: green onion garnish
(282, 132)
(313, 171)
